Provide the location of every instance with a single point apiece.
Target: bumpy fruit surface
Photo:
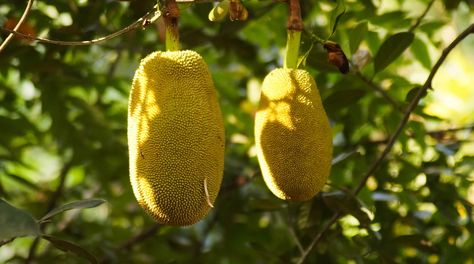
(175, 137)
(293, 135)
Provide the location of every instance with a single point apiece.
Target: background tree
(401, 185)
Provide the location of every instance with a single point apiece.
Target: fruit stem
(171, 15)
(292, 49)
(294, 28)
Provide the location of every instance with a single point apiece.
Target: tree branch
(142, 22)
(4, 242)
(22, 19)
(130, 243)
(413, 104)
(318, 237)
(454, 129)
(420, 18)
(381, 91)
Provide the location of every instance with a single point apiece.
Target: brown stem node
(294, 19)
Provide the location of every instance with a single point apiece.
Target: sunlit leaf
(420, 51)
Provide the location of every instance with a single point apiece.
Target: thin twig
(4, 242)
(130, 243)
(147, 233)
(318, 238)
(144, 21)
(22, 19)
(420, 18)
(293, 235)
(413, 104)
(51, 205)
(381, 91)
(454, 129)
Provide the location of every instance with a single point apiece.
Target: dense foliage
(63, 136)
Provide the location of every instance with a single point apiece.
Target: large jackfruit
(293, 135)
(175, 137)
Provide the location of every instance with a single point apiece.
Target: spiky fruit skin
(175, 137)
(293, 136)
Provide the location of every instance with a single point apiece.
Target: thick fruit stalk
(293, 135)
(175, 137)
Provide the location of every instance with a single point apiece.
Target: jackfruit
(293, 136)
(175, 137)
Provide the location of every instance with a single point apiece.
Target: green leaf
(391, 20)
(88, 203)
(16, 223)
(391, 49)
(343, 98)
(420, 51)
(345, 202)
(67, 246)
(431, 27)
(339, 11)
(358, 34)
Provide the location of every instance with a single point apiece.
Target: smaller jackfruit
(293, 136)
(175, 137)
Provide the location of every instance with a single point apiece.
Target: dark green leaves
(89, 203)
(16, 223)
(343, 98)
(357, 35)
(391, 49)
(451, 4)
(346, 203)
(67, 246)
(261, 204)
(338, 13)
(413, 92)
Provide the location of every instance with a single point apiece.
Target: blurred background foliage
(63, 135)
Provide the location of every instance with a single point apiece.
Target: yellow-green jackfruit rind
(175, 137)
(293, 136)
